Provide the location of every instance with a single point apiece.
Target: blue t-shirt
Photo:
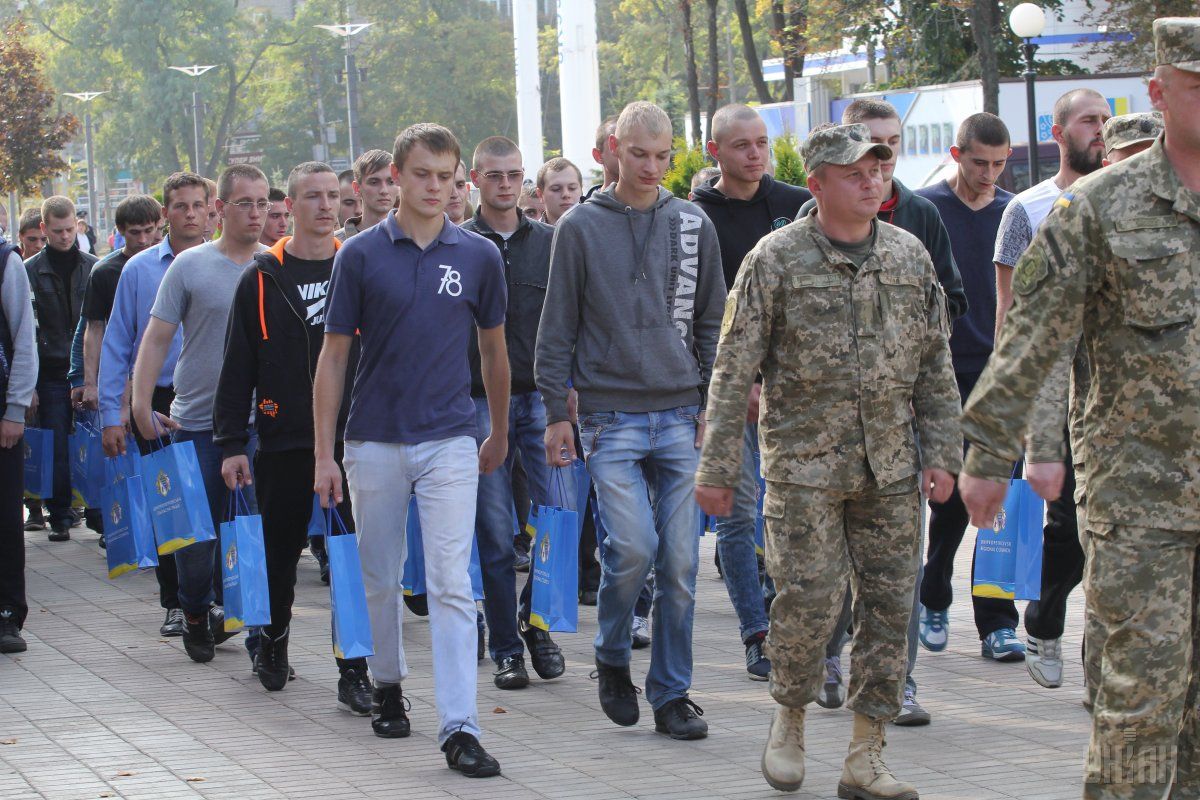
(415, 310)
(972, 238)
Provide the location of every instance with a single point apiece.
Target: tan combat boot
(783, 758)
(865, 776)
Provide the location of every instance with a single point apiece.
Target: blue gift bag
(316, 522)
(244, 568)
(413, 577)
(87, 464)
(347, 595)
(128, 530)
(1008, 556)
(176, 496)
(39, 463)
(554, 603)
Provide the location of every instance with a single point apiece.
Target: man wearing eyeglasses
(197, 293)
(525, 245)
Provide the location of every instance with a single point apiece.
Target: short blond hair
(57, 207)
(645, 115)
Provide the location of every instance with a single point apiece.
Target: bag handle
(332, 516)
(237, 504)
(556, 489)
(158, 426)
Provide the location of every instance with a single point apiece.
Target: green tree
(31, 134)
(686, 162)
(789, 167)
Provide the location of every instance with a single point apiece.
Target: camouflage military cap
(840, 144)
(1177, 42)
(1130, 129)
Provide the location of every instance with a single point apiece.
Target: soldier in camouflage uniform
(1066, 388)
(1119, 260)
(851, 338)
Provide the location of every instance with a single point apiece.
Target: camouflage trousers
(1143, 590)
(816, 540)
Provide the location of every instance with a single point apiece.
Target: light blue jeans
(632, 458)
(735, 545)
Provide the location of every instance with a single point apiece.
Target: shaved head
(727, 116)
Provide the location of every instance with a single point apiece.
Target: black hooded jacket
(742, 223)
(270, 355)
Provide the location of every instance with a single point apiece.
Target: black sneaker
(417, 604)
(618, 695)
(481, 642)
(521, 561)
(510, 673)
(59, 533)
(272, 661)
(680, 719)
(103, 542)
(388, 717)
(254, 667)
(10, 633)
(198, 639)
(354, 691)
(216, 620)
(322, 563)
(36, 520)
(588, 597)
(544, 654)
(465, 754)
(173, 623)
(757, 664)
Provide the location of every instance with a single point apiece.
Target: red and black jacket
(270, 357)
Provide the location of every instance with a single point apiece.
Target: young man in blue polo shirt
(416, 287)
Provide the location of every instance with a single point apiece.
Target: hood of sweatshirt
(606, 198)
(709, 193)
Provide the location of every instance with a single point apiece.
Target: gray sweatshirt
(633, 307)
(17, 302)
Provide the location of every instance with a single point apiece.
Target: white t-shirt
(1021, 219)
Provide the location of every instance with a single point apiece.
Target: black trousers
(283, 482)
(12, 531)
(947, 523)
(165, 573)
(1062, 563)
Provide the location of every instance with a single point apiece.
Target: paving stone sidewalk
(101, 706)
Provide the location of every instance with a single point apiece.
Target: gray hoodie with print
(633, 307)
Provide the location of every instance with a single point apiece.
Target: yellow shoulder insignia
(731, 302)
(1064, 200)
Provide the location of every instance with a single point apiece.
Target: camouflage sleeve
(1048, 417)
(1050, 284)
(745, 336)
(935, 395)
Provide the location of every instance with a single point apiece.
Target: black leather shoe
(388, 717)
(322, 563)
(417, 604)
(198, 640)
(510, 673)
(544, 654)
(173, 624)
(272, 661)
(36, 520)
(680, 719)
(10, 634)
(216, 621)
(59, 533)
(587, 597)
(465, 754)
(354, 691)
(618, 695)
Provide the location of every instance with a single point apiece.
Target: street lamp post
(196, 71)
(346, 31)
(87, 98)
(1028, 21)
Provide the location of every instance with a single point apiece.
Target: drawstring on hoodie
(640, 260)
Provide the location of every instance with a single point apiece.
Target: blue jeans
(54, 414)
(646, 596)
(735, 545)
(631, 457)
(494, 526)
(197, 565)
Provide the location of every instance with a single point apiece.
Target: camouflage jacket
(1118, 261)
(848, 357)
(1058, 407)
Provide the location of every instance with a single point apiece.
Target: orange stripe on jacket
(277, 251)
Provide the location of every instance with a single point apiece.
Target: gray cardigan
(17, 302)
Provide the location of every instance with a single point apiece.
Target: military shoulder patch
(1064, 200)
(1032, 269)
(730, 310)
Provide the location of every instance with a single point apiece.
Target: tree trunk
(779, 21)
(714, 68)
(985, 29)
(753, 66)
(693, 78)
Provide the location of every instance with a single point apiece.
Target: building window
(948, 134)
(923, 139)
(910, 141)
(936, 144)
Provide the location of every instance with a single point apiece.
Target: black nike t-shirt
(311, 279)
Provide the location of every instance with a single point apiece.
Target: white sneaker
(641, 633)
(1043, 659)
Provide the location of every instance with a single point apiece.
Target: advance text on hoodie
(633, 307)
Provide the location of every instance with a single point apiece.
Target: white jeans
(444, 476)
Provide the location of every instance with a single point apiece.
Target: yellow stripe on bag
(233, 624)
(993, 591)
(536, 621)
(121, 569)
(178, 543)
